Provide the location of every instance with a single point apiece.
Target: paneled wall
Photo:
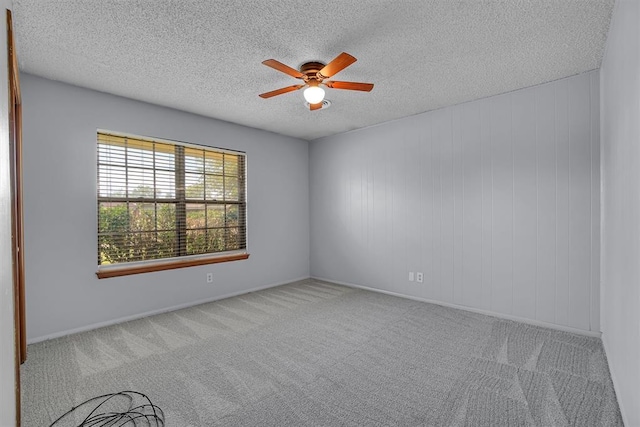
(620, 84)
(496, 201)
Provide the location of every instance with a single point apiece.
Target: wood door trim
(17, 238)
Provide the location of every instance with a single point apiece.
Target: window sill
(168, 265)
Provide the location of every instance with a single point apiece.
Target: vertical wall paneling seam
(391, 177)
(590, 202)
(481, 204)
(601, 188)
(361, 170)
(440, 173)
(387, 239)
(364, 205)
(346, 184)
(373, 197)
(492, 209)
(402, 167)
(391, 213)
(599, 182)
(370, 193)
(372, 214)
(463, 285)
(491, 305)
(352, 176)
(555, 159)
(406, 208)
(535, 109)
(348, 198)
(598, 207)
(441, 149)
(364, 189)
(421, 144)
(367, 186)
(433, 193)
(568, 320)
(453, 188)
(356, 186)
(425, 170)
(513, 199)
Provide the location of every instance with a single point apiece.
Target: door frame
(17, 226)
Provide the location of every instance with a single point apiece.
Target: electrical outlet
(209, 277)
(419, 277)
(411, 276)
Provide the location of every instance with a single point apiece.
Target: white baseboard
(614, 380)
(471, 309)
(159, 311)
(302, 280)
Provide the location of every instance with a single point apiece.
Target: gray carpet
(318, 354)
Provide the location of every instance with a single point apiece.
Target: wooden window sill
(167, 265)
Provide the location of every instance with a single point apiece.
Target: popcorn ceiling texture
(205, 57)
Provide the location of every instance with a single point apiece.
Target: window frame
(180, 261)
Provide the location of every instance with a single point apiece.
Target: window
(160, 200)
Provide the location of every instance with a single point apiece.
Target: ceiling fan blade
(277, 65)
(365, 87)
(280, 91)
(340, 62)
(315, 106)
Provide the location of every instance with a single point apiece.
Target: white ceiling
(205, 56)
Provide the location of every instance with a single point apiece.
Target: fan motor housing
(310, 69)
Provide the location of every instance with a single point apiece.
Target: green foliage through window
(160, 200)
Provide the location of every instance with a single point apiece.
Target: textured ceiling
(205, 56)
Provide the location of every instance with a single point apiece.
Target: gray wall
(63, 293)
(620, 85)
(7, 348)
(496, 201)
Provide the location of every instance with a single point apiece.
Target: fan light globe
(313, 94)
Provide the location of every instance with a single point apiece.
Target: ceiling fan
(314, 75)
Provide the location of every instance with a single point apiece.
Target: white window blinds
(160, 200)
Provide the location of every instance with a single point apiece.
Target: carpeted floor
(318, 354)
